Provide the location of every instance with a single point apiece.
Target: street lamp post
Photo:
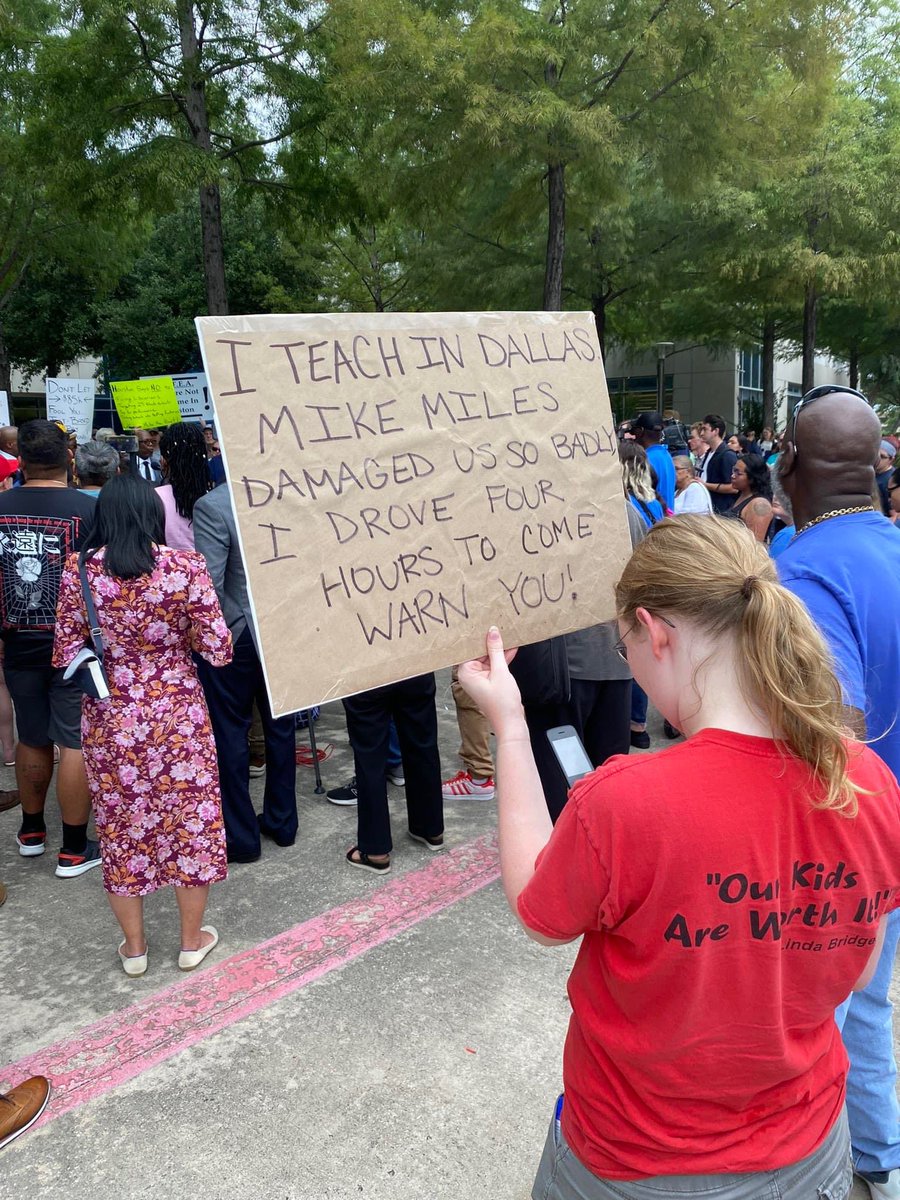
(662, 349)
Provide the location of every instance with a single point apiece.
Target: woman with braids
(186, 478)
(753, 502)
(728, 890)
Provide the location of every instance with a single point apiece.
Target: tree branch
(659, 93)
(614, 75)
(161, 79)
(278, 137)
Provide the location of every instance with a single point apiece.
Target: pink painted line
(126, 1043)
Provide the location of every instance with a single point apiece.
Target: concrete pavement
(352, 1036)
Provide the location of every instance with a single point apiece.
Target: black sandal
(433, 843)
(368, 864)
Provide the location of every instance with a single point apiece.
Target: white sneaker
(889, 1189)
(462, 784)
(396, 777)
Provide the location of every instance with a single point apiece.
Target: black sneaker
(31, 844)
(71, 864)
(343, 795)
(640, 741)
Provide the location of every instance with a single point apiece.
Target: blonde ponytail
(715, 574)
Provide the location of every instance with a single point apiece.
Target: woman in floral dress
(148, 749)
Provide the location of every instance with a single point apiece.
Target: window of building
(633, 394)
(750, 389)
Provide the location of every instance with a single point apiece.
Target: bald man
(9, 441)
(844, 563)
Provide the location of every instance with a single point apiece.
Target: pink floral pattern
(149, 749)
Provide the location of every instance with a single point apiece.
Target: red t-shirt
(724, 919)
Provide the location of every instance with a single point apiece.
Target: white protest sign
(403, 481)
(72, 402)
(192, 395)
(4, 408)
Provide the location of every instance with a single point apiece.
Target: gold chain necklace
(835, 512)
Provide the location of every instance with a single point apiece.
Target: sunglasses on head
(816, 393)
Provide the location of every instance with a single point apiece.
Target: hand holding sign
(490, 684)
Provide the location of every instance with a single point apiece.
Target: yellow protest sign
(402, 481)
(146, 403)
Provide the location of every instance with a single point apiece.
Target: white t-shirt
(694, 499)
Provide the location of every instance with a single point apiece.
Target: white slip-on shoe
(188, 959)
(134, 964)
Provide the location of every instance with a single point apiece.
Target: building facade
(700, 381)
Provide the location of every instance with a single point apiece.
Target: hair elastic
(747, 586)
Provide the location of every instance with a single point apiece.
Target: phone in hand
(570, 753)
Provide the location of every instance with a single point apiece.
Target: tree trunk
(213, 249)
(810, 312)
(198, 123)
(5, 368)
(768, 373)
(854, 367)
(556, 237)
(598, 308)
(556, 216)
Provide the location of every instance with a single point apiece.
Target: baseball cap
(649, 421)
(8, 466)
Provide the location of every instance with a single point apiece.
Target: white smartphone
(570, 753)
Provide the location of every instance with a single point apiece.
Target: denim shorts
(826, 1174)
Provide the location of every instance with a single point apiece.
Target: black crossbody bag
(86, 669)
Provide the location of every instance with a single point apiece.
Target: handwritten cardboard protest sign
(146, 403)
(192, 395)
(402, 481)
(72, 402)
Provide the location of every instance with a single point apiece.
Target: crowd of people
(731, 892)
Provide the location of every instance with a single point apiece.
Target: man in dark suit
(231, 691)
(146, 467)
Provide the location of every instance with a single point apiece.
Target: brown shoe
(8, 800)
(21, 1107)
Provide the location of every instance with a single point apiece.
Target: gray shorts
(825, 1175)
(48, 710)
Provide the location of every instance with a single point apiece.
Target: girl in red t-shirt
(728, 891)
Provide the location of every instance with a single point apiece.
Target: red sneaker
(462, 784)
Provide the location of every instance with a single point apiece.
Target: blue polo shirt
(661, 461)
(847, 573)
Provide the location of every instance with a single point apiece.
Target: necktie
(148, 470)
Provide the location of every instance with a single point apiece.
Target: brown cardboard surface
(402, 481)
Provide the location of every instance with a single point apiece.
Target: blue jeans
(866, 1024)
(638, 704)
(823, 1175)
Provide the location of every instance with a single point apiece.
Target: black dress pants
(600, 711)
(411, 704)
(230, 692)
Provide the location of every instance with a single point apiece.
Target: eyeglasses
(816, 393)
(622, 650)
